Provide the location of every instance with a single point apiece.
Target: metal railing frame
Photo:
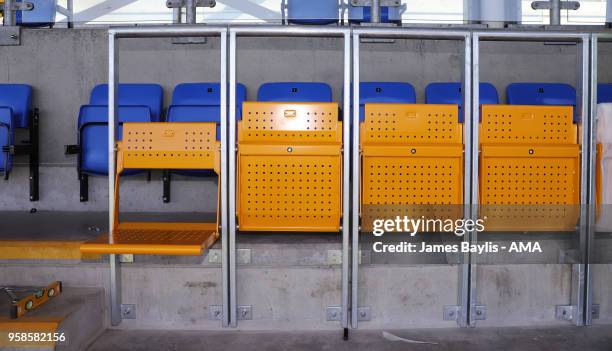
(288, 31)
(587, 52)
(417, 34)
(114, 34)
(579, 281)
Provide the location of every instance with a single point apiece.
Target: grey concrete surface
(76, 225)
(84, 316)
(288, 286)
(289, 296)
(485, 339)
(410, 296)
(23, 225)
(63, 65)
(82, 313)
(602, 295)
(522, 294)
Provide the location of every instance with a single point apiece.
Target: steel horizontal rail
(166, 31)
(411, 33)
(530, 36)
(289, 31)
(603, 36)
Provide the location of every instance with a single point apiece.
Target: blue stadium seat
(16, 112)
(359, 14)
(17, 98)
(317, 12)
(450, 93)
(144, 95)
(137, 103)
(198, 102)
(384, 92)
(295, 92)
(604, 93)
(43, 14)
(93, 129)
(541, 94)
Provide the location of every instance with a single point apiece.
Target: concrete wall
(63, 65)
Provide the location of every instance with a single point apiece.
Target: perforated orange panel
(412, 123)
(598, 176)
(273, 122)
(530, 218)
(516, 124)
(412, 162)
(524, 179)
(530, 170)
(300, 193)
(412, 155)
(409, 179)
(161, 146)
(155, 239)
(290, 172)
(169, 146)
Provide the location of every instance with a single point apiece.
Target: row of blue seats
(16, 112)
(42, 14)
(317, 12)
(199, 102)
(321, 12)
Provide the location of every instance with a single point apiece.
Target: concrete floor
(592, 338)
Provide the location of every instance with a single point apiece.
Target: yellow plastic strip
(43, 250)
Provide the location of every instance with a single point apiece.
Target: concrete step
(456, 339)
(77, 313)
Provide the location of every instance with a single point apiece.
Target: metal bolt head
(413, 151)
(14, 36)
(289, 149)
(531, 151)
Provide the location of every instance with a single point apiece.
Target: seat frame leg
(83, 187)
(166, 178)
(34, 156)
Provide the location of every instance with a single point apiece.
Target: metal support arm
(387, 3)
(11, 6)
(548, 5)
(20, 6)
(72, 149)
(555, 7)
(171, 4)
(190, 5)
(18, 149)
